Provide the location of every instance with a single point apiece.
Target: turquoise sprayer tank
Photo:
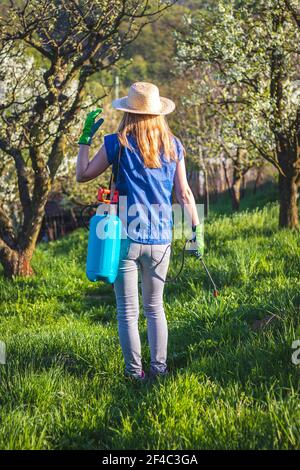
(103, 248)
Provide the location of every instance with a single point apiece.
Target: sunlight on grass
(230, 386)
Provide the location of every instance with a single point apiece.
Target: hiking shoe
(155, 373)
(140, 377)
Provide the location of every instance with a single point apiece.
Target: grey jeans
(153, 263)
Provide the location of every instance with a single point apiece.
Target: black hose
(92, 206)
(173, 279)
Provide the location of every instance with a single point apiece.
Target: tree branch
(23, 184)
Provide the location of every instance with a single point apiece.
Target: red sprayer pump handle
(104, 196)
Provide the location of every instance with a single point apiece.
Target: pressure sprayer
(105, 241)
(105, 231)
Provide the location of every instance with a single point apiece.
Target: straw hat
(143, 98)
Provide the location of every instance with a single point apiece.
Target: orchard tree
(217, 130)
(231, 143)
(252, 49)
(49, 51)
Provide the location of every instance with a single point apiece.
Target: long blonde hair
(152, 134)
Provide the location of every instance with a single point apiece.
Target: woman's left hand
(90, 127)
(197, 241)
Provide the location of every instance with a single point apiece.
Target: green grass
(230, 387)
(265, 194)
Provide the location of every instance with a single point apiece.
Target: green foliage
(49, 52)
(151, 58)
(156, 46)
(230, 387)
(247, 70)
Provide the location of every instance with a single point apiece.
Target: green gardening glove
(90, 127)
(197, 240)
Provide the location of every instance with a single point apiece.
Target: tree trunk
(16, 256)
(234, 189)
(17, 263)
(206, 204)
(236, 192)
(243, 186)
(227, 178)
(193, 183)
(288, 194)
(257, 179)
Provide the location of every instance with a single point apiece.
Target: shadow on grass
(222, 349)
(106, 432)
(215, 355)
(209, 334)
(265, 194)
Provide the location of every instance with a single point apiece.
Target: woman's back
(148, 191)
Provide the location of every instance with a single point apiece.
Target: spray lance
(199, 256)
(196, 252)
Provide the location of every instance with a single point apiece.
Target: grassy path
(231, 386)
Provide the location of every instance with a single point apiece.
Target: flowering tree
(216, 129)
(49, 50)
(252, 50)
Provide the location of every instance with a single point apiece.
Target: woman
(147, 160)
